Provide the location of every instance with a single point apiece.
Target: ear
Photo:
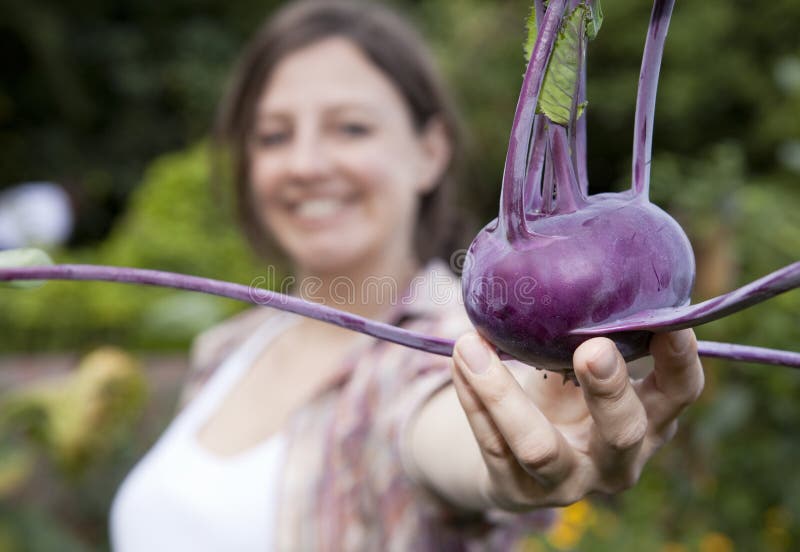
(437, 151)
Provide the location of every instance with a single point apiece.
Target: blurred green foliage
(94, 95)
(76, 416)
(73, 422)
(92, 91)
(172, 223)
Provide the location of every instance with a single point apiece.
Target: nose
(308, 156)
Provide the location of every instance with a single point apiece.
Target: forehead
(329, 73)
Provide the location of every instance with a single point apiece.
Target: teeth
(319, 208)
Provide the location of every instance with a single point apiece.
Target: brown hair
(393, 46)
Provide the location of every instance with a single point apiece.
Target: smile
(319, 210)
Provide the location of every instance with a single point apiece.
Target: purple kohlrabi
(558, 265)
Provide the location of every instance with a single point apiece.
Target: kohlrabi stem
(646, 96)
(248, 294)
(578, 133)
(549, 178)
(569, 197)
(676, 318)
(387, 332)
(512, 203)
(578, 136)
(539, 7)
(577, 125)
(745, 353)
(533, 180)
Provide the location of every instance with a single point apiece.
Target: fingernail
(679, 341)
(603, 363)
(474, 354)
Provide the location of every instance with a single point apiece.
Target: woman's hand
(547, 443)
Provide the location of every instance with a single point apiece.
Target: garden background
(113, 100)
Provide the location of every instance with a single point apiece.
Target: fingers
(619, 416)
(676, 380)
(511, 431)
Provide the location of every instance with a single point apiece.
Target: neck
(369, 288)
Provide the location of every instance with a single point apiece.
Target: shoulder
(217, 340)
(210, 348)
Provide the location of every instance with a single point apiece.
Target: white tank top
(182, 496)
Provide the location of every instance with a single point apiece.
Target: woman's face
(336, 164)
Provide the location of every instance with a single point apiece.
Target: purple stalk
(746, 353)
(538, 5)
(569, 196)
(512, 204)
(669, 319)
(578, 134)
(249, 294)
(577, 128)
(646, 96)
(549, 181)
(533, 180)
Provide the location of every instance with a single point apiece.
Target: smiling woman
(304, 436)
(395, 63)
(336, 165)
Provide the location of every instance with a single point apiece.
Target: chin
(327, 259)
(332, 250)
(322, 265)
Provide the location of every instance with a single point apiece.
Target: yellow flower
(716, 542)
(579, 514)
(564, 536)
(572, 524)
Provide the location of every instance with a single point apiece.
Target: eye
(353, 130)
(270, 139)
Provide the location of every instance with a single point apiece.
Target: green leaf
(561, 76)
(17, 258)
(581, 109)
(594, 20)
(532, 26)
